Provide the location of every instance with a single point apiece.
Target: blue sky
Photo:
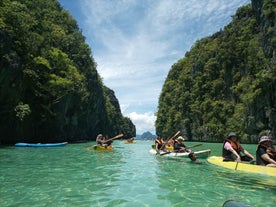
(135, 43)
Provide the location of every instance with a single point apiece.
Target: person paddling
(179, 146)
(266, 153)
(107, 141)
(103, 141)
(159, 144)
(232, 149)
(100, 139)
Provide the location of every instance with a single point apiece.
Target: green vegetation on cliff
(226, 82)
(49, 86)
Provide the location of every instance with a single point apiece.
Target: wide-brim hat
(265, 139)
(180, 138)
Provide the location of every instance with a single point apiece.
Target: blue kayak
(21, 144)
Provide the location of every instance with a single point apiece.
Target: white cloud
(135, 42)
(144, 122)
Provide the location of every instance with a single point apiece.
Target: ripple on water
(126, 176)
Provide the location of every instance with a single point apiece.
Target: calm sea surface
(128, 176)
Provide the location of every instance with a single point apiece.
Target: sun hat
(180, 138)
(265, 138)
(231, 134)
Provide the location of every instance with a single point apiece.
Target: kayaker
(130, 140)
(159, 144)
(179, 146)
(232, 149)
(170, 144)
(100, 139)
(108, 143)
(266, 153)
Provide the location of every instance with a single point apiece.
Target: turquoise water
(128, 176)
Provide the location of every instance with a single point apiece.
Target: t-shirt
(229, 147)
(177, 146)
(260, 151)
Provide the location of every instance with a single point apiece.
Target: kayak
(241, 166)
(102, 148)
(127, 142)
(199, 154)
(170, 148)
(21, 144)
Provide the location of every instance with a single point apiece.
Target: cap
(180, 138)
(265, 138)
(232, 134)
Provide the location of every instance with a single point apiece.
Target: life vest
(235, 145)
(271, 151)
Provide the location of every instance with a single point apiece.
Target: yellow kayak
(170, 148)
(241, 166)
(100, 148)
(127, 142)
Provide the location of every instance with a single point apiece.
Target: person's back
(179, 147)
(159, 144)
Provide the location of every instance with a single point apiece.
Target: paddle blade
(197, 145)
(118, 136)
(165, 153)
(177, 133)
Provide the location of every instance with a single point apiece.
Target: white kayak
(199, 154)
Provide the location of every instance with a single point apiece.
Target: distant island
(146, 135)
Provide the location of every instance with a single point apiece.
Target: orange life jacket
(235, 145)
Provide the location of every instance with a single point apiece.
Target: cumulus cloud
(135, 43)
(144, 122)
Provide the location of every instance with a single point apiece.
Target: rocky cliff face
(266, 17)
(50, 89)
(226, 82)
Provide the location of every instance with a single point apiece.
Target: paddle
(91, 147)
(193, 146)
(116, 137)
(251, 162)
(167, 142)
(177, 133)
(236, 165)
(165, 153)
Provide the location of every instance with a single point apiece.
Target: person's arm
(248, 154)
(268, 159)
(228, 147)
(237, 155)
(183, 147)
